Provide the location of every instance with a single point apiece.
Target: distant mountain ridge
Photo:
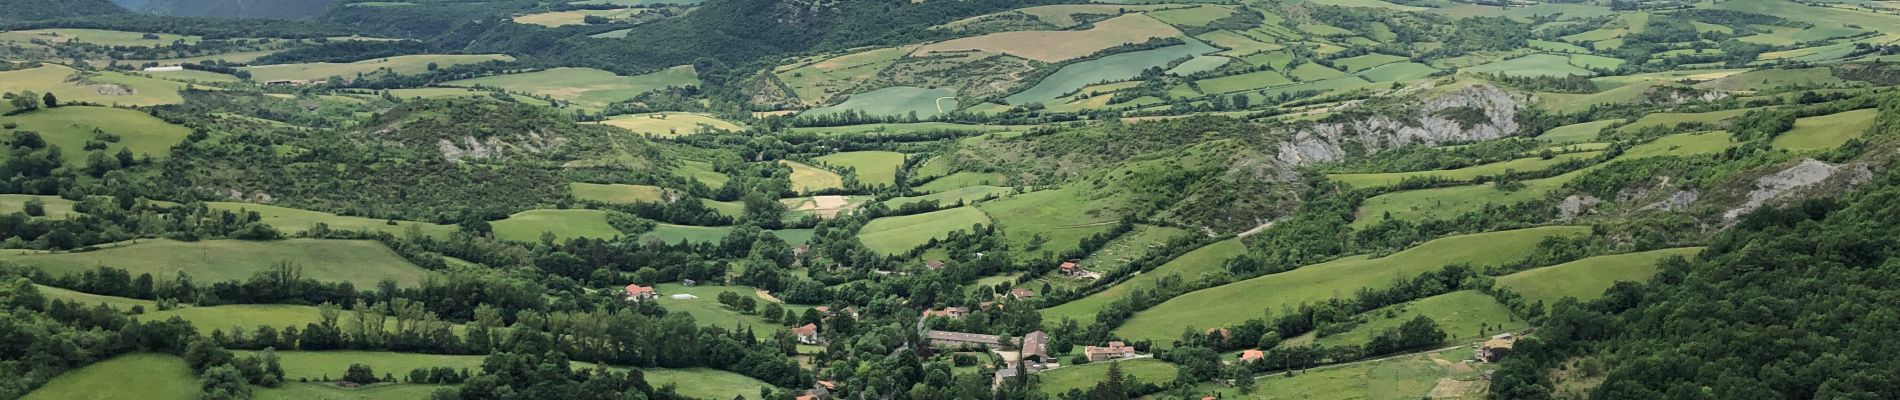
(32, 10)
(269, 9)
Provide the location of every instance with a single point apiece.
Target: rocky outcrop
(1806, 174)
(1575, 205)
(1428, 124)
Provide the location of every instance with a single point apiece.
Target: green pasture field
(1246, 81)
(903, 128)
(292, 220)
(1560, 47)
(143, 376)
(1449, 202)
(823, 206)
(895, 235)
(1400, 378)
(707, 311)
(1361, 63)
(56, 207)
(190, 75)
(705, 383)
(1272, 59)
(874, 168)
(1083, 377)
(407, 65)
(967, 195)
(1776, 79)
(701, 171)
(1577, 133)
(72, 126)
(1671, 119)
(1370, 3)
(1532, 65)
(1312, 72)
(1130, 246)
(706, 234)
(1527, 164)
(807, 178)
(1682, 145)
(1233, 303)
(1571, 103)
(326, 391)
(1595, 61)
(726, 208)
(89, 299)
(1271, 95)
(671, 124)
(1237, 45)
(1463, 315)
(962, 180)
(587, 85)
(360, 262)
(1116, 67)
(1208, 259)
(617, 194)
(1586, 279)
(895, 101)
(1199, 64)
(247, 316)
(816, 82)
(95, 36)
(527, 226)
(1397, 72)
(319, 365)
(1827, 131)
(1062, 218)
(107, 88)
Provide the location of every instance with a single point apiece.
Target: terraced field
(360, 262)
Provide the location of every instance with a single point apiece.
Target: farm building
(1251, 355)
(807, 334)
(635, 292)
(948, 312)
(1036, 344)
(1496, 348)
(1020, 293)
(933, 265)
(1114, 351)
(959, 340)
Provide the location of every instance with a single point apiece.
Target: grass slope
(292, 220)
(1211, 258)
(407, 65)
(895, 235)
(1463, 315)
(128, 377)
(671, 124)
(527, 226)
(359, 262)
(587, 85)
(1586, 279)
(807, 178)
(1526, 164)
(1826, 131)
(875, 168)
(71, 127)
(706, 310)
(1083, 377)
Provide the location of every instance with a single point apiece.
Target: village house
(933, 265)
(1251, 355)
(1036, 344)
(1496, 348)
(807, 334)
(958, 340)
(948, 312)
(1004, 374)
(635, 292)
(1022, 294)
(1114, 351)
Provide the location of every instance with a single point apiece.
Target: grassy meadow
(527, 226)
(1527, 164)
(1827, 131)
(671, 124)
(808, 178)
(706, 310)
(1463, 315)
(586, 86)
(967, 195)
(616, 193)
(360, 262)
(407, 65)
(292, 220)
(142, 376)
(895, 235)
(895, 101)
(100, 37)
(71, 127)
(1110, 68)
(1058, 46)
(1211, 258)
(1058, 215)
(107, 88)
(1586, 279)
(1083, 377)
(325, 391)
(875, 168)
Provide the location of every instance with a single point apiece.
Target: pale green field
(705, 383)
(527, 226)
(1449, 202)
(1313, 72)
(617, 194)
(586, 85)
(1577, 133)
(895, 235)
(1247, 81)
(1233, 303)
(1060, 380)
(701, 171)
(575, 17)
(324, 391)
(407, 65)
(671, 124)
(816, 82)
(967, 195)
(707, 311)
(129, 377)
(1403, 378)
(874, 168)
(89, 299)
(107, 88)
(895, 101)
(1827, 131)
(904, 128)
(1532, 65)
(1059, 215)
(192, 75)
(961, 180)
(1460, 314)
(1398, 72)
(1208, 259)
(95, 36)
(1199, 64)
(1195, 16)
(360, 262)
(1527, 164)
(703, 234)
(1671, 119)
(247, 316)
(1682, 145)
(71, 127)
(807, 178)
(1365, 62)
(291, 220)
(56, 208)
(317, 365)
(1586, 279)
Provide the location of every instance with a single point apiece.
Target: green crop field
(407, 65)
(1271, 95)
(127, 377)
(617, 194)
(1237, 45)
(705, 234)
(874, 168)
(1246, 81)
(895, 235)
(671, 124)
(107, 88)
(1111, 68)
(807, 178)
(1083, 377)
(1313, 72)
(587, 86)
(191, 75)
(705, 383)
(1233, 303)
(1671, 119)
(1199, 64)
(95, 36)
(1057, 215)
(701, 171)
(325, 391)
(1827, 131)
(1586, 279)
(360, 262)
(1365, 62)
(1058, 46)
(1208, 259)
(1532, 65)
(1463, 315)
(71, 127)
(704, 306)
(896, 101)
(56, 207)
(1527, 164)
(1570, 103)
(961, 180)
(527, 226)
(967, 195)
(291, 220)
(1398, 72)
(1683, 144)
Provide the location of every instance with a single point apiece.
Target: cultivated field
(895, 101)
(247, 316)
(1058, 46)
(291, 220)
(828, 206)
(1437, 376)
(575, 17)
(705, 383)
(527, 226)
(1083, 377)
(617, 194)
(56, 207)
(895, 235)
(359, 262)
(1532, 65)
(89, 299)
(107, 88)
(903, 128)
(1586, 279)
(705, 234)
(71, 127)
(1111, 68)
(1057, 215)
(1827, 131)
(807, 178)
(874, 168)
(96, 36)
(706, 311)
(326, 391)
(407, 65)
(587, 86)
(671, 124)
(967, 195)
(1208, 259)
(1233, 303)
(1246, 81)
(1577, 133)
(816, 82)
(130, 377)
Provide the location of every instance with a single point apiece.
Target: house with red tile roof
(635, 292)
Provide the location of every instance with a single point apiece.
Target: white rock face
(1808, 173)
(1327, 142)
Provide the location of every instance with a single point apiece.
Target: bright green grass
(967, 195)
(586, 85)
(1463, 315)
(1059, 216)
(1671, 119)
(1237, 44)
(1827, 131)
(1246, 81)
(705, 234)
(1595, 61)
(961, 180)
(1774, 79)
(726, 208)
(701, 171)
(291, 220)
(1195, 16)
(360, 262)
(707, 311)
(527, 226)
(901, 128)
(1199, 64)
(1361, 63)
(896, 101)
(1683, 145)
(1208, 259)
(1560, 47)
(1403, 378)
(247, 316)
(89, 299)
(56, 207)
(94, 36)
(1313, 72)
(1116, 67)
(1577, 133)
(324, 391)
(1449, 202)
(128, 377)
(1532, 65)
(705, 383)
(1233, 303)
(895, 235)
(71, 127)
(875, 168)
(1586, 279)
(1398, 72)
(1083, 377)
(1272, 59)
(807, 178)
(1527, 164)
(617, 194)
(1271, 95)
(407, 65)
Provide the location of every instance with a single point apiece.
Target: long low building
(955, 340)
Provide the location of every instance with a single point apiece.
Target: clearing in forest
(107, 88)
(807, 178)
(873, 168)
(1586, 279)
(527, 226)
